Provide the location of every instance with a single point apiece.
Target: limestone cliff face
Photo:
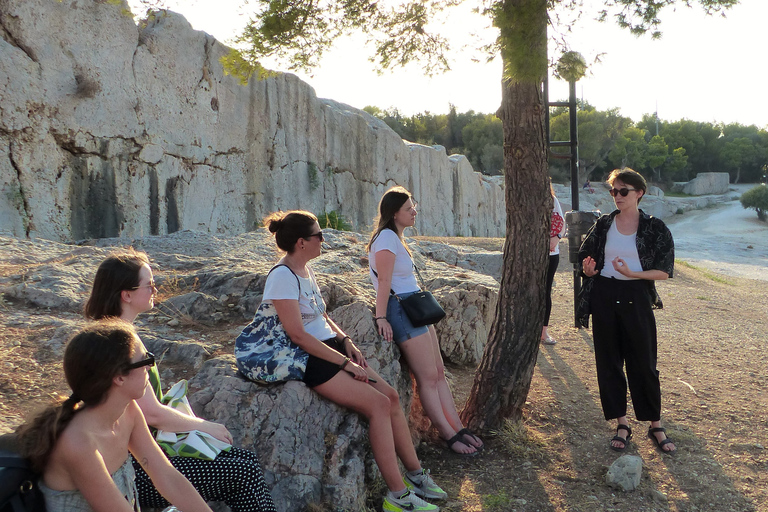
(109, 129)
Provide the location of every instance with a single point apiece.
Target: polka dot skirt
(234, 477)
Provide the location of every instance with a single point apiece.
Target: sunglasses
(151, 286)
(623, 191)
(319, 235)
(149, 361)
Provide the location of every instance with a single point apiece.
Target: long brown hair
(120, 271)
(289, 226)
(390, 203)
(93, 357)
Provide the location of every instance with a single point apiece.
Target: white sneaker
(407, 502)
(424, 486)
(549, 340)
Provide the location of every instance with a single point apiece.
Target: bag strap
(298, 282)
(14, 462)
(423, 286)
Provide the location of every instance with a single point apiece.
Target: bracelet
(344, 364)
(345, 338)
(376, 319)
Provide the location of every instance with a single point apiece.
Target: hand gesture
(357, 371)
(588, 266)
(620, 266)
(384, 328)
(217, 430)
(354, 353)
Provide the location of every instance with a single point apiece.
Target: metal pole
(574, 164)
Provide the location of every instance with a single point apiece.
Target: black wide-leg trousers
(624, 333)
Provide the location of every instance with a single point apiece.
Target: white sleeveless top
(623, 246)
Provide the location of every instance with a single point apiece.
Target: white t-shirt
(403, 278)
(282, 284)
(558, 209)
(624, 246)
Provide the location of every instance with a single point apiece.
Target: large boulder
(707, 183)
(153, 137)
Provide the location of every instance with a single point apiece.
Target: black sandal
(661, 444)
(467, 432)
(624, 441)
(459, 438)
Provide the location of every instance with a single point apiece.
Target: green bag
(195, 443)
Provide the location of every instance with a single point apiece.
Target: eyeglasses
(151, 286)
(413, 208)
(319, 235)
(148, 361)
(623, 191)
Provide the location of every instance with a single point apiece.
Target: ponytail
(37, 438)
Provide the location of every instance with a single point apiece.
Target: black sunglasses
(319, 234)
(623, 191)
(149, 361)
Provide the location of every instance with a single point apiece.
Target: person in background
(123, 288)
(336, 369)
(556, 232)
(392, 269)
(588, 187)
(81, 445)
(622, 256)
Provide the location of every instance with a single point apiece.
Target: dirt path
(726, 239)
(713, 370)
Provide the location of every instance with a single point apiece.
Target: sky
(704, 68)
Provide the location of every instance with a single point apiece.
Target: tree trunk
(504, 376)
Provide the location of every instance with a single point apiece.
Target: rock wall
(108, 129)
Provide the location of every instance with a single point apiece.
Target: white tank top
(623, 246)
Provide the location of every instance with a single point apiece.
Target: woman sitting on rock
(392, 274)
(335, 368)
(81, 445)
(124, 287)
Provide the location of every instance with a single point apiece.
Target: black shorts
(320, 371)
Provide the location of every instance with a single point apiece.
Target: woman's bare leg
(433, 389)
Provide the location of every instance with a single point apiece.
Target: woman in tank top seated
(81, 445)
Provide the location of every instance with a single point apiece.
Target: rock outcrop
(108, 129)
(707, 183)
(312, 451)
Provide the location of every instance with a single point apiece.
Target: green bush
(757, 198)
(333, 220)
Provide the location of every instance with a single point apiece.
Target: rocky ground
(711, 357)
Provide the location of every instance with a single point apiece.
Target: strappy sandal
(459, 438)
(661, 444)
(624, 441)
(467, 432)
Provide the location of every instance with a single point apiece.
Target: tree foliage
(756, 198)
(300, 31)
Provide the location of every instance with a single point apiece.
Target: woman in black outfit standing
(623, 255)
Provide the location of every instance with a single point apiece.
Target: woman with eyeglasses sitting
(335, 368)
(392, 274)
(622, 257)
(124, 288)
(81, 445)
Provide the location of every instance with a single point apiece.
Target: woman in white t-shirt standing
(555, 234)
(392, 270)
(336, 368)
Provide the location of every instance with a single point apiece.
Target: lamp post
(571, 67)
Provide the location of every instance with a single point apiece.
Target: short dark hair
(289, 226)
(120, 271)
(630, 177)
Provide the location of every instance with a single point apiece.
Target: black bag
(18, 485)
(422, 308)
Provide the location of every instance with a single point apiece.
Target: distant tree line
(663, 151)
